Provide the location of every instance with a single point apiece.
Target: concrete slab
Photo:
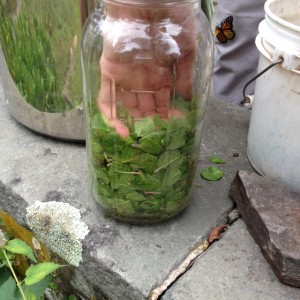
(233, 268)
(120, 261)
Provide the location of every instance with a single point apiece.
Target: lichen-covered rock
(272, 215)
(59, 227)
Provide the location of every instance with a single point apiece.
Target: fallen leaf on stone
(217, 160)
(216, 233)
(212, 173)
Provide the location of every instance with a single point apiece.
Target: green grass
(37, 46)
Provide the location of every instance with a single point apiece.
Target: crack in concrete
(187, 263)
(181, 269)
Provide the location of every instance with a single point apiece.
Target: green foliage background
(36, 45)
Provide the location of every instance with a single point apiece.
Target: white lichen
(58, 226)
(2, 239)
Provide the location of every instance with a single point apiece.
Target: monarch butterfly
(224, 32)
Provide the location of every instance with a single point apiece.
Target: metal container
(40, 64)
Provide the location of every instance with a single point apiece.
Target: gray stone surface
(232, 268)
(120, 261)
(272, 215)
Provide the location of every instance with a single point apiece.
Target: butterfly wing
(230, 34)
(220, 35)
(227, 28)
(227, 24)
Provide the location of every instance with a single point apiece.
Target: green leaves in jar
(147, 174)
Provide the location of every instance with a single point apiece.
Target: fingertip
(121, 129)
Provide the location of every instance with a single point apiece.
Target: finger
(107, 106)
(121, 128)
(146, 102)
(130, 102)
(128, 98)
(119, 125)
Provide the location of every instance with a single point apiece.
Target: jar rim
(149, 2)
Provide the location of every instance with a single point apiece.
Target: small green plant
(37, 277)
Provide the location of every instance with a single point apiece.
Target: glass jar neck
(150, 3)
(150, 11)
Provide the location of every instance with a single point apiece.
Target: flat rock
(272, 215)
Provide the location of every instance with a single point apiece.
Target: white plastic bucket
(274, 132)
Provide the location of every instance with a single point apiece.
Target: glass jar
(40, 64)
(147, 66)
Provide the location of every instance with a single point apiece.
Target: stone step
(233, 268)
(121, 261)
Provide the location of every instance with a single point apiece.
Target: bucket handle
(246, 98)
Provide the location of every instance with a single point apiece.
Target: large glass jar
(146, 67)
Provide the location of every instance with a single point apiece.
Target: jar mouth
(149, 2)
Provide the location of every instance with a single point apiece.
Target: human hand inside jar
(147, 56)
